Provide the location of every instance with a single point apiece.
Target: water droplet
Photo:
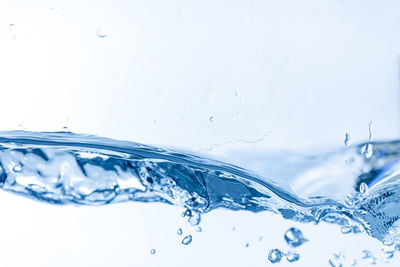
(233, 228)
(211, 119)
(294, 237)
(347, 140)
(187, 240)
(187, 212)
(363, 188)
(370, 130)
(17, 168)
(365, 254)
(102, 32)
(152, 251)
(366, 150)
(372, 260)
(194, 219)
(260, 238)
(292, 256)
(198, 229)
(346, 229)
(247, 245)
(388, 254)
(353, 262)
(179, 232)
(336, 260)
(275, 255)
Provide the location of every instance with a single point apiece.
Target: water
(65, 168)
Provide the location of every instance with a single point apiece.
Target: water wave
(68, 168)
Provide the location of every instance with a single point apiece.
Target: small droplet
(101, 32)
(363, 188)
(294, 237)
(347, 140)
(353, 262)
(292, 256)
(187, 240)
(233, 228)
(152, 251)
(247, 245)
(275, 255)
(194, 219)
(346, 229)
(372, 260)
(336, 260)
(365, 254)
(388, 254)
(260, 238)
(211, 119)
(366, 150)
(17, 168)
(179, 232)
(187, 212)
(198, 229)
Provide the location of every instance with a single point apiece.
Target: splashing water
(67, 168)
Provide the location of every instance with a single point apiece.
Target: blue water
(67, 168)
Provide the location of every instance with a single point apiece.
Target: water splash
(66, 168)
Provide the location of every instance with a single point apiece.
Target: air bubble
(198, 229)
(152, 251)
(17, 168)
(336, 260)
(363, 188)
(211, 119)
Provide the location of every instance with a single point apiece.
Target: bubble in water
(152, 251)
(294, 237)
(363, 188)
(366, 150)
(275, 255)
(17, 168)
(102, 32)
(198, 229)
(347, 140)
(346, 229)
(187, 240)
(365, 254)
(336, 260)
(353, 262)
(292, 256)
(179, 232)
(211, 119)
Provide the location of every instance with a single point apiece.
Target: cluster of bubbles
(294, 238)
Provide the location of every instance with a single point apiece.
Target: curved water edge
(68, 168)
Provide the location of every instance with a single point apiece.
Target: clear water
(346, 188)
